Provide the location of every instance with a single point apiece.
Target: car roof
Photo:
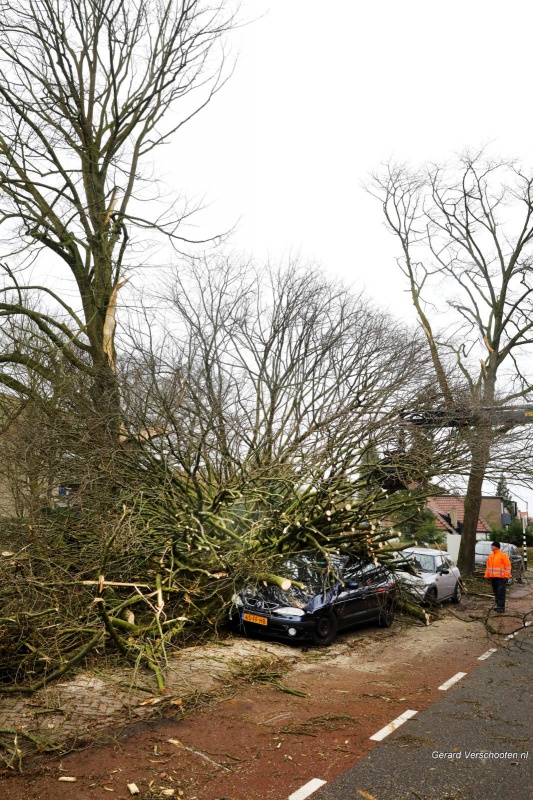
(488, 541)
(425, 551)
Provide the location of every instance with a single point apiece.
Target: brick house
(495, 511)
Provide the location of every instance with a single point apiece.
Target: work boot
(500, 610)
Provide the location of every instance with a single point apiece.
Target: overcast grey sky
(322, 93)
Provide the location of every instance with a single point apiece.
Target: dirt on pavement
(258, 719)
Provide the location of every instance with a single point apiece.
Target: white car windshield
(422, 562)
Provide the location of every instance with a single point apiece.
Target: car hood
(309, 598)
(415, 580)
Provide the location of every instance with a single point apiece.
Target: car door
(445, 582)
(376, 582)
(351, 602)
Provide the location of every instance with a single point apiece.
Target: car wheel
(458, 593)
(431, 596)
(326, 627)
(386, 616)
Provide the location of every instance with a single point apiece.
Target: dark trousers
(498, 590)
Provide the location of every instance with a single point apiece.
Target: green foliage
(367, 472)
(422, 526)
(502, 490)
(429, 533)
(513, 534)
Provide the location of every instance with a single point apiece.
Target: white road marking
(377, 737)
(451, 681)
(488, 653)
(305, 791)
(511, 635)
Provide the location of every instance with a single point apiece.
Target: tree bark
(472, 505)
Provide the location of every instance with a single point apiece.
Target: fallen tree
(249, 433)
(189, 565)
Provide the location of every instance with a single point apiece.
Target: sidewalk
(90, 702)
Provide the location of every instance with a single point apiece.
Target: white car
(437, 578)
(483, 551)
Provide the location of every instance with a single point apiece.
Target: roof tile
(442, 507)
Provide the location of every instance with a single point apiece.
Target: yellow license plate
(255, 618)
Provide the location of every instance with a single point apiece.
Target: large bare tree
(273, 377)
(466, 238)
(88, 90)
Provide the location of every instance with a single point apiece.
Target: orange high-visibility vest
(498, 565)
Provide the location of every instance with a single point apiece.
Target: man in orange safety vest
(498, 570)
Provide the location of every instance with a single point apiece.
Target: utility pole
(524, 516)
(525, 519)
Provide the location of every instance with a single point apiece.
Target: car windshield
(310, 568)
(422, 562)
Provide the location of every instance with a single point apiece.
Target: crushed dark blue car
(325, 596)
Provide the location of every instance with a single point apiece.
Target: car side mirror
(443, 571)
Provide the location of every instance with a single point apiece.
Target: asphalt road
(483, 726)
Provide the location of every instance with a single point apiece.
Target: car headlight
(236, 600)
(417, 583)
(288, 611)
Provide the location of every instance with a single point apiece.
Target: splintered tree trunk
(105, 395)
(474, 492)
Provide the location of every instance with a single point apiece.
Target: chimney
(453, 517)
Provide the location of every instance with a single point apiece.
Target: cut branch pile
(166, 570)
